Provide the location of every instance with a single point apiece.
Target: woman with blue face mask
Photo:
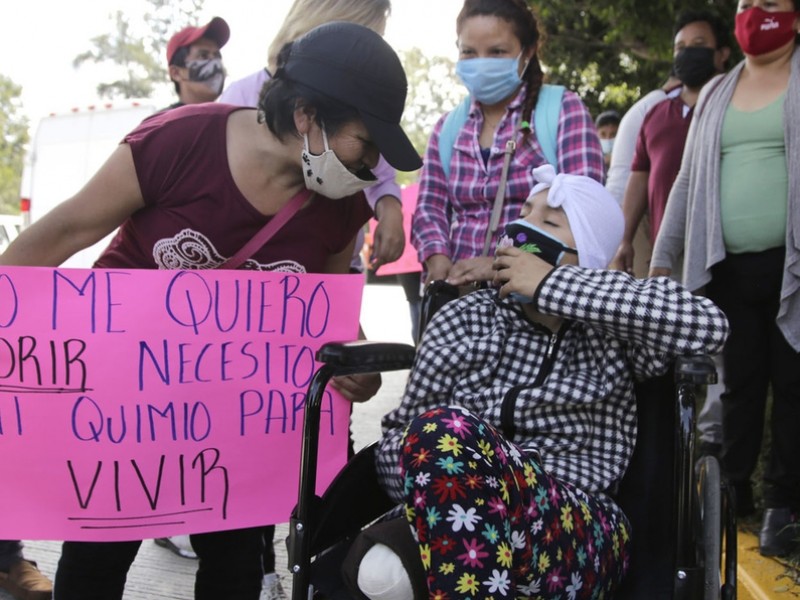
(498, 63)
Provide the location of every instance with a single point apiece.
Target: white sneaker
(179, 544)
(272, 588)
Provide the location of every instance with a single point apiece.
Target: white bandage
(381, 575)
(595, 218)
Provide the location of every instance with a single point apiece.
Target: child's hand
(518, 271)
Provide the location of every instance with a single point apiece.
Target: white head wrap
(594, 215)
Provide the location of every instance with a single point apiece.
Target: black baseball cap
(354, 65)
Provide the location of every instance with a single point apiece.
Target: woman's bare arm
(110, 196)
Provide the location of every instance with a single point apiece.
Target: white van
(67, 150)
(10, 226)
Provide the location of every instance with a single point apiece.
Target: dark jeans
(269, 548)
(229, 567)
(411, 286)
(747, 288)
(10, 552)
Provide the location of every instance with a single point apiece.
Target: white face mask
(607, 145)
(324, 173)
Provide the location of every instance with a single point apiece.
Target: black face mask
(530, 238)
(694, 65)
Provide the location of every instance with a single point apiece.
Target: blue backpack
(545, 125)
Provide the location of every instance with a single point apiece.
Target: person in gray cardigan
(732, 224)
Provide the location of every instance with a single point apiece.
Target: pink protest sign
(408, 262)
(138, 404)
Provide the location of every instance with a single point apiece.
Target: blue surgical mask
(529, 238)
(607, 145)
(490, 80)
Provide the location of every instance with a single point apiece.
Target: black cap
(353, 64)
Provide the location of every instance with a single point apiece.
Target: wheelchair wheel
(709, 493)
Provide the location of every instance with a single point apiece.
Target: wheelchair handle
(698, 370)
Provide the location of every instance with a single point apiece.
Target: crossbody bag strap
(497, 207)
(267, 231)
(548, 107)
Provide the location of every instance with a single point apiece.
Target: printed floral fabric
(491, 523)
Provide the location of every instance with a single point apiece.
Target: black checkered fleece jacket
(567, 395)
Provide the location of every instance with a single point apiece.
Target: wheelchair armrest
(364, 356)
(699, 370)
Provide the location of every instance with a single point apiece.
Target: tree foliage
(135, 49)
(14, 130)
(432, 90)
(613, 51)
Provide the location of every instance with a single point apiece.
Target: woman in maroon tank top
(208, 177)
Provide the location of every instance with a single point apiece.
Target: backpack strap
(545, 121)
(545, 125)
(453, 123)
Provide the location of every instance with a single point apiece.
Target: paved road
(160, 574)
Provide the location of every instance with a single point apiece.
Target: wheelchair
(683, 526)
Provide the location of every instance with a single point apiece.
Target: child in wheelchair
(519, 419)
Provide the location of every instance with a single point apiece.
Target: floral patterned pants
(491, 523)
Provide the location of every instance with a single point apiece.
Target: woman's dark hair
(526, 28)
(280, 97)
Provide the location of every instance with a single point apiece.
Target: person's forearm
(658, 314)
(386, 185)
(47, 243)
(670, 240)
(634, 203)
(388, 206)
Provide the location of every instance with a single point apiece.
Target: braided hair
(526, 27)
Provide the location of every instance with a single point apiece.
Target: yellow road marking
(760, 577)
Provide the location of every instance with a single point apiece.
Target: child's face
(552, 220)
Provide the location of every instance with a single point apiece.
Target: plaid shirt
(453, 219)
(567, 396)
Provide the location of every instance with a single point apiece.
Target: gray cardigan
(691, 231)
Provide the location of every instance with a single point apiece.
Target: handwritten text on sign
(139, 404)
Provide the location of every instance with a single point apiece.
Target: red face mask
(759, 31)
